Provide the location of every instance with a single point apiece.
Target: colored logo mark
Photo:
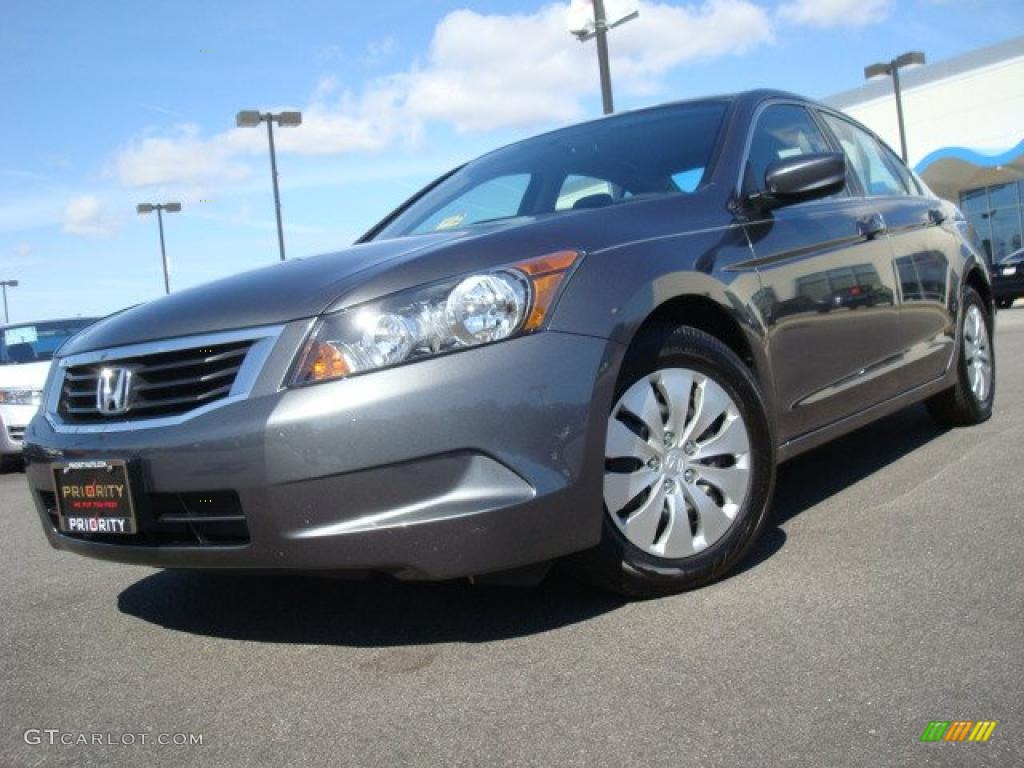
(959, 730)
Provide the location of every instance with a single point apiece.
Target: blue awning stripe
(972, 156)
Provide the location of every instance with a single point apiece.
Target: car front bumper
(472, 463)
(13, 421)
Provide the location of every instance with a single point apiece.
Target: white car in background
(25, 353)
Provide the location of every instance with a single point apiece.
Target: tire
(963, 404)
(1004, 303)
(681, 366)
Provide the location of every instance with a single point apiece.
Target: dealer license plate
(94, 497)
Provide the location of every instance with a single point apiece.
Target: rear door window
(867, 160)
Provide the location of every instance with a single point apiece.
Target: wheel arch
(700, 311)
(977, 279)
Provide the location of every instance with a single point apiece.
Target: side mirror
(804, 177)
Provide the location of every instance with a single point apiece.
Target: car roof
(751, 97)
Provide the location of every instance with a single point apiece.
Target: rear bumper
(477, 462)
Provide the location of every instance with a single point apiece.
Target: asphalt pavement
(885, 593)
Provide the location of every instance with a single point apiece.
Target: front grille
(162, 384)
(17, 434)
(174, 520)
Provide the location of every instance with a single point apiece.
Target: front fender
(615, 290)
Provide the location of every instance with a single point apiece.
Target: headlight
(443, 317)
(20, 396)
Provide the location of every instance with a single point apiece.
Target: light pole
(5, 284)
(251, 118)
(883, 69)
(599, 31)
(143, 208)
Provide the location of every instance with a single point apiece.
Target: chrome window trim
(263, 340)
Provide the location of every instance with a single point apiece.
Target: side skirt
(804, 443)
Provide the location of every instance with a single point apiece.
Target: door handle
(936, 216)
(871, 226)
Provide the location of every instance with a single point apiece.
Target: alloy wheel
(677, 463)
(977, 353)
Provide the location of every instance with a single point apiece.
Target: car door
(828, 286)
(924, 248)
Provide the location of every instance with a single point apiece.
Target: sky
(113, 103)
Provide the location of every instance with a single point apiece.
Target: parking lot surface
(886, 592)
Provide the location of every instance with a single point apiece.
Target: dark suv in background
(1008, 279)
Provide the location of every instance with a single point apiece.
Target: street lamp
(5, 284)
(884, 69)
(251, 118)
(144, 208)
(586, 23)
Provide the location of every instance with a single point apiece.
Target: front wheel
(970, 400)
(689, 467)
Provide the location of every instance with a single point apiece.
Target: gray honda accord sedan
(594, 345)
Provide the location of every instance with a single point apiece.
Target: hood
(292, 290)
(304, 288)
(24, 375)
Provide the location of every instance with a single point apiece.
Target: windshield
(1013, 258)
(36, 342)
(664, 151)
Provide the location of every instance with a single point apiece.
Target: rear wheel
(970, 400)
(689, 467)
(1004, 303)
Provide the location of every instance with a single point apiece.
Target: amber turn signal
(546, 275)
(324, 361)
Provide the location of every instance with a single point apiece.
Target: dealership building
(964, 120)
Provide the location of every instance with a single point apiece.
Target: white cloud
(325, 87)
(667, 36)
(340, 124)
(332, 123)
(84, 216)
(483, 72)
(494, 71)
(181, 156)
(23, 250)
(836, 13)
(488, 71)
(378, 50)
